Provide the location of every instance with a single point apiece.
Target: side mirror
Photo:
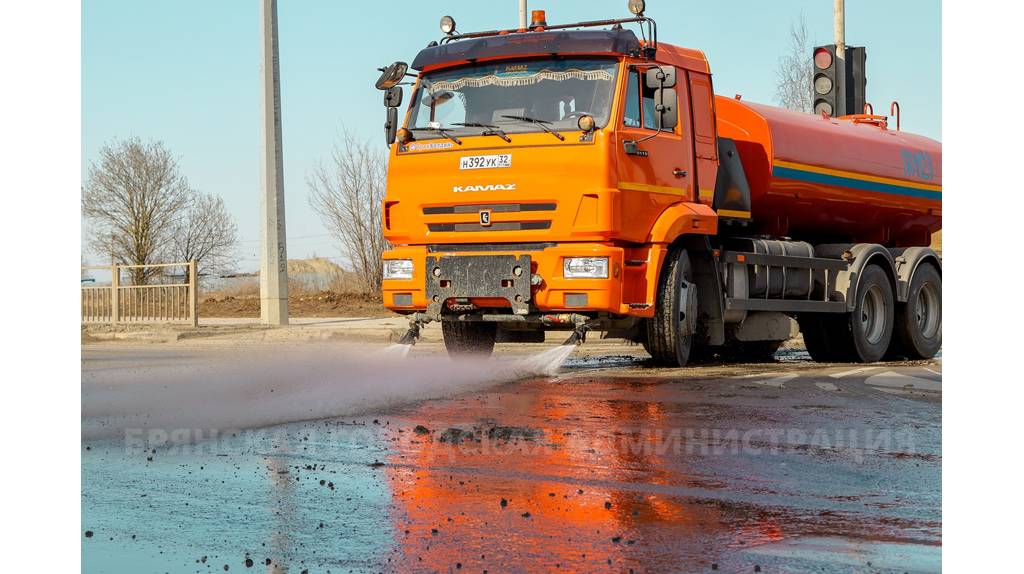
(391, 125)
(392, 75)
(393, 97)
(665, 104)
(660, 77)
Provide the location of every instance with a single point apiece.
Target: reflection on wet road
(609, 467)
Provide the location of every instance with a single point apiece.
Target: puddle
(833, 551)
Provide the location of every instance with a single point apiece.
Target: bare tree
(348, 192)
(206, 233)
(133, 197)
(795, 73)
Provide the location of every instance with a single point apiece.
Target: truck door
(662, 174)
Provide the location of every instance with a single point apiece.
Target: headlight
(398, 268)
(585, 268)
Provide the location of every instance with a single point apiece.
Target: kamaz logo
(490, 187)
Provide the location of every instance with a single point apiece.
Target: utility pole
(522, 14)
(840, 31)
(273, 256)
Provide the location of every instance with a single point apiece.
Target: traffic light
(829, 94)
(825, 90)
(856, 80)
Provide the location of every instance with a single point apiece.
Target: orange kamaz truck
(584, 177)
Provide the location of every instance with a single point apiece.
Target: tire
(464, 339)
(918, 330)
(864, 335)
(751, 351)
(816, 330)
(663, 340)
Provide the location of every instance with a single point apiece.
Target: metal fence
(155, 295)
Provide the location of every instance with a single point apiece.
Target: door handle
(679, 172)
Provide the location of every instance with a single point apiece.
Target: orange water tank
(823, 179)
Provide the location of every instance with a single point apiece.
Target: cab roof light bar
(650, 37)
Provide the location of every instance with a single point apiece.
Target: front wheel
(469, 338)
(669, 334)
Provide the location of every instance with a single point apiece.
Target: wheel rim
(926, 310)
(872, 315)
(683, 295)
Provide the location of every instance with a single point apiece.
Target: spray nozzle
(579, 335)
(410, 336)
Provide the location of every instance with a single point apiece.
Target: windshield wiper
(539, 123)
(490, 131)
(439, 131)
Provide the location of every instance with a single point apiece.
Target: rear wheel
(918, 331)
(669, 334)
(469, 338)
(751, 351)
(864, 335)
(817, 330)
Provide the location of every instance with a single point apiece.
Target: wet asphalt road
(608, 467)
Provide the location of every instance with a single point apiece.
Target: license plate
(485, 161)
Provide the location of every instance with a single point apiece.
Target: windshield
(553, 92)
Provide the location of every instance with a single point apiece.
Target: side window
(631, 118)
(639, 104)
(650, 116)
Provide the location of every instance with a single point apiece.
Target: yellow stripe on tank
(856, 175)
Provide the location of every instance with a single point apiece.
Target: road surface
(608, 466)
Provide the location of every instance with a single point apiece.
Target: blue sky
(187, 72)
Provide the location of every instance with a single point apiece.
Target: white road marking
(851, 372)
(894, 380)
(777, 382)
(826, 386)
(933, 371)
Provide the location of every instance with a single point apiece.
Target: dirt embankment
(321, 304)
(317, 287)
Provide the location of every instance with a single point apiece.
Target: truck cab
(545, 173)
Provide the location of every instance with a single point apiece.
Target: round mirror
(392, 75)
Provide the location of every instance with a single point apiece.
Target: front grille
(485, 247)
(496, 226)
(494, 207)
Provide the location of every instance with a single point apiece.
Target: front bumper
(485, 280)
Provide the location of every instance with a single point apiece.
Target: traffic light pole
(273, 255)
(840, 31)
